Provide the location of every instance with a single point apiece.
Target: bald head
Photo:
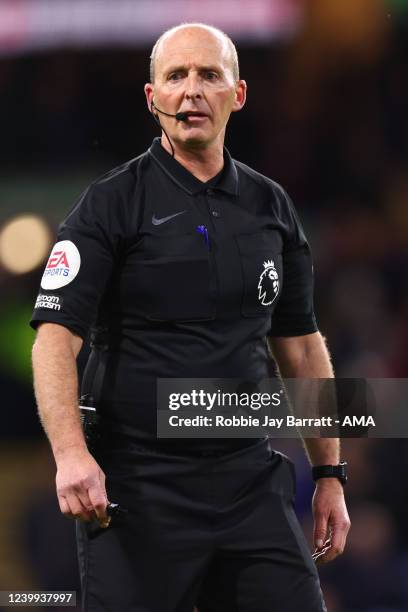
(227, 47)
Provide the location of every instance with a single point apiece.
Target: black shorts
(218, 533)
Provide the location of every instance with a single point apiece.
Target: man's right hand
(81, 486)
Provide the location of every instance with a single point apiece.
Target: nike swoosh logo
(157, 221)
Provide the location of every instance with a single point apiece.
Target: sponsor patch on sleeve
(62, 266)
(50, 302)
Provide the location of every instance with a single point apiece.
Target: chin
(195, 142)
(197, 137)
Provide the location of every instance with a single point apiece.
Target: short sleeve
(294, 313)
(80, 264)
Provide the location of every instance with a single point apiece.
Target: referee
(183, 263)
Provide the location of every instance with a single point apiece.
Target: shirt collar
(227, 179)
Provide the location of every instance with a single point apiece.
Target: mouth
(195, 115)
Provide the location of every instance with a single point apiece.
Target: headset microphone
(181, 116)
(178, 116)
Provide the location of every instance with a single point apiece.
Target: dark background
(327, 118)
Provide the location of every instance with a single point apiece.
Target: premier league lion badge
(268, 285)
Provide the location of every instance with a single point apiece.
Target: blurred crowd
(326, 117)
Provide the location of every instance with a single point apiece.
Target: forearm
(310, 359)
(302, 357)
(56, 391)
(80, 481)
(322, 451)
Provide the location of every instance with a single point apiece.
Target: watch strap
(331, 471)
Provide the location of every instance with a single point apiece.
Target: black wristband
(331, 471)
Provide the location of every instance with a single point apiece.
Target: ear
(149, 93)
(240, 95)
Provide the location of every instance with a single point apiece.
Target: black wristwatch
(331, 471)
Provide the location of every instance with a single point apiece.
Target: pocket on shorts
(284, 475)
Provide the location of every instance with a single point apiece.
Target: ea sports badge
(62, 266)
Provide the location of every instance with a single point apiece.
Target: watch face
(343, 472)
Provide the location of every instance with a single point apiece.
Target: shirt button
(210, 192)
(215, 213)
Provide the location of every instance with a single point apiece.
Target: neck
(202, 163)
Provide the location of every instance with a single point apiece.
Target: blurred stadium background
(326, 117)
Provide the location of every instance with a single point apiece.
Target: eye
(174, 76)
(210, 75)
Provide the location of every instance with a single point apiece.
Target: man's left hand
(331, 520)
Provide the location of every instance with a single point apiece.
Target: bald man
(163, 259)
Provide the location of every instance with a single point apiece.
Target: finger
(319, 557)
(320, 530)
(326, 543)
(85, 500)
(76, 509)
(319, 554)
(99, 500)
(323, 549)
(63, 504)
(338, 541)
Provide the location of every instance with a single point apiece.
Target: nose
(193, 86)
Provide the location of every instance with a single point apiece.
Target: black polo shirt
(177, 278)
